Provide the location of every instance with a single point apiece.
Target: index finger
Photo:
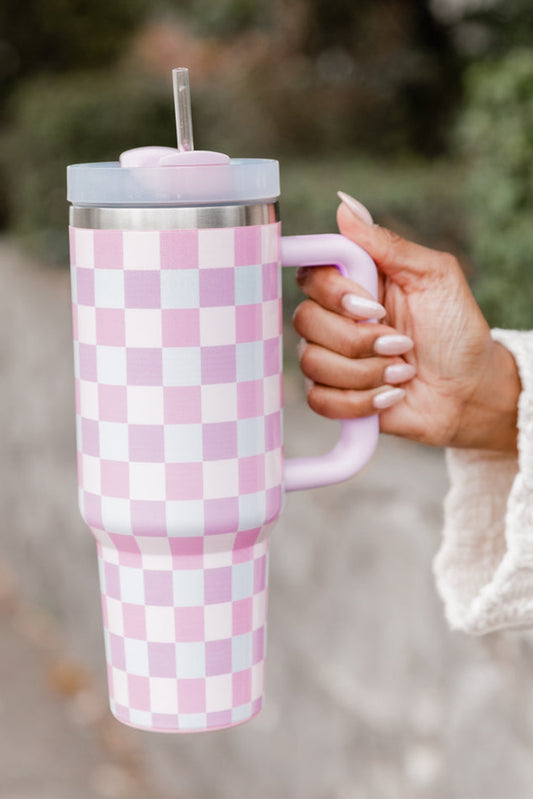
(337, 293)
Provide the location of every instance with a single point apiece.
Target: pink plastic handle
(359, 437)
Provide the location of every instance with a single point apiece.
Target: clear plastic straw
(182, 107)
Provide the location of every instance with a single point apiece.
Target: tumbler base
(185, 631)
(186, 731)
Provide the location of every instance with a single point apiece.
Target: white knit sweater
(484, 569)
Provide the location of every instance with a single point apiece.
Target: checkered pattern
(185, 634)
(177, 351)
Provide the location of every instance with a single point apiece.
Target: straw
(182, 107)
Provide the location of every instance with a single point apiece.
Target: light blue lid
(239, 180)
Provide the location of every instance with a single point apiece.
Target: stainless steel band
(174, 218)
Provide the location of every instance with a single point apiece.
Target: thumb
(404, 261)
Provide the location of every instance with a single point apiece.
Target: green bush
(496, 137)
(66, 120)
(94, 117)
(43, 37)
(417, 198)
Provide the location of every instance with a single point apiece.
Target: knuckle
(445, 267)
(352, 341)
(308, 360)
(318, 402)
(389, 241)
(302, 316)
(324, 272)
(358, 405)
(369, 375)
(353, 345)
(390, 236)
(303, 275)
(308, 276)
(448, 263)
(297, 318)
(315, 399)
(329, 277)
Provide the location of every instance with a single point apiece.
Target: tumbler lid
(174, 176)
(237, 180)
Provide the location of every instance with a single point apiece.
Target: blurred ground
(369, 696)
(58, 739)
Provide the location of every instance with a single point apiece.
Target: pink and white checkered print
(177, 350)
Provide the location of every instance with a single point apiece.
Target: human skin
(465, 388)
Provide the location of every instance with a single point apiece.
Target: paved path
(58, 739)
(369, 696)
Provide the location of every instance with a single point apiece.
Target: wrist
(489, 416)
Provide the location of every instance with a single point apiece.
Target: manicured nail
(362, 308)
(356, 207)
(399, 373)
(393, 345)
(387, 398)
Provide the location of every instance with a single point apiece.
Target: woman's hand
(459, 387)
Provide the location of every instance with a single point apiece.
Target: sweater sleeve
(484, 568)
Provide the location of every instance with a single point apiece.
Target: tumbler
(176, 288)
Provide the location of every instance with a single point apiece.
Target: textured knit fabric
(484, 569)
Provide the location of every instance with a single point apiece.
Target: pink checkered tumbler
(177, 319)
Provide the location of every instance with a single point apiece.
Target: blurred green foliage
(306, 78)
(39, 40)
(71, 119)
(419, 200)
(496, 136)
(378, 76)
(46, 36)
(493, 29)
(225, 17)
(87, 118)
(359, 96)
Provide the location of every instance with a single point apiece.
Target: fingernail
(309, 384)
(362, 308)
(300, 347)
(393, 345)
(399, 373)
(356, 207)
(387, 398)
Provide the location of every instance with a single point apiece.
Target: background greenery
(496, 137)
(421, 109)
